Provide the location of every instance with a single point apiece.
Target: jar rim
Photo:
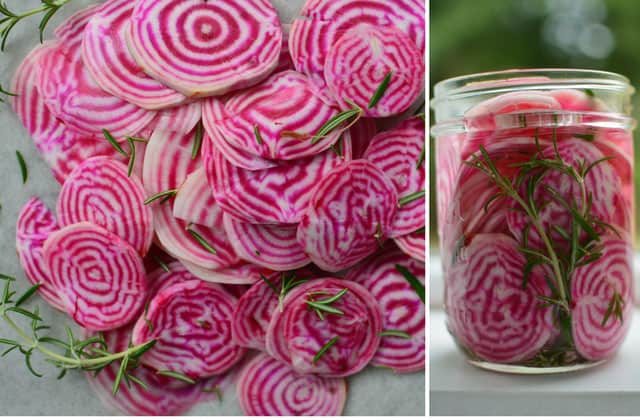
(504, 81)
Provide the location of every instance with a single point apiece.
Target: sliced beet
(192, 322)
(99, 191)
(297, 334)
(283, 110)
(239, 274)
(592, 290)
(277, 195)
(72, 29)
(397, 152)
(402, 309)
(179, 119)
(99, 277)
(413, 244)
(234, 155)
(105, 53)
(35, 223)
(268, 387)
(194, 202)
(367, 56)
(350, 214)
(487, 308)
(273, 246)
(205, 48)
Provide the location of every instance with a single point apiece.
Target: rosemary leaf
(22, 299)
(137, 380)
(336, 122)
(381, 90)
(197, 140)
(324, 349)
(132, 156)
(411, 198)
(323, 307)
(161, 263)
(256, 132)
(334, 298)
(114, 143)
(120, 375)
(23, 167)
(203, 242)
(394, 333)
(176, 375)
(422, 157)
(163, 194)
(413, 281)
(269, 283)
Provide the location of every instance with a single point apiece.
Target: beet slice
(192, 322)
(179, 119)
(277, 195)
(267, 387)
(349, 215)
(72, 96)
(72, 29)
(361, 134)
(592, 289)
(253, 312)
(273, 246)
(99, 277)
(488, 309)
(99, 191)
(413, 244)
(283, 110)
(205, 48)
(194, 202)
(105, 53)
(365, 57)
(35, 223)
(402, 308)
(235, 155)
(296, 335)
(239, 274)
(397, 152)
(322, 23)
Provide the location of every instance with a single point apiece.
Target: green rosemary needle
(413, 281)
(256, 133)
(132, 156)
(9, 19)
(324, 349)
(384, 85)
(197, 140)
(176, 375)
(23, 167)
(203, 242)
(411, 198)
(161, 195)
(3, 91)
(114, 143)
(394, 333)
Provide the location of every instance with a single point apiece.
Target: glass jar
(535, 209)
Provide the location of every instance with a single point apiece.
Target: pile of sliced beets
(200, 208)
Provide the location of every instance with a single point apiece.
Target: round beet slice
(397, 153)
(205, 48)
(277, 195)
(72, 29)
(179, 119)
(253, 312)
(273, 246)
(593, 287)
(192, 322)
(99, 191)
(350, 213)
(413, 244)
(268, 387)
(194, 202)
(241, 273)
(35, 223)
(105, 53)
(328, 344)
(99, 277)
(402, 309)
(490, 312)
(276, 119)
(365, 57)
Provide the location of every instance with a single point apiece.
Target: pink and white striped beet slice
(73, 97)
(402, 309)
(99, 191)
(397, 152)
(194, 202)
(361, 134)
(322, 23)
(72, 29)
(235, 155)
(192, 322)
(273, 246)
(35, 223)
(490, 312)
(271, 196)
(283, 109)
(592, 288)
(241, 273)
(297, 334)
(205, 48)
(99, 277)
(351, 212)
(268, 387)
(364, 57)
(179, 119)
(413, 244)
(576, 100)
(105, 53)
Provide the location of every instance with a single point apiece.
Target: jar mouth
(505, 81)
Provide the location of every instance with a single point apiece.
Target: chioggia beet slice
(593, 287)
(490, 312)
(179, 119)
(35, 223)
(192, 322)
(397, 153)
(364, 57)
(236, 155)
(413, 244)
(99, 277)
(72, 29)
(268, 387)
(99, 191)
(328, 344)
(273, 246)
(272, 196)
(194, 202)
(351, 212)
(105, 53)
(241, 273)
(205, 48)
(276, 119)
(402, 309)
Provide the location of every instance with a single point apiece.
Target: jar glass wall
(535, 209)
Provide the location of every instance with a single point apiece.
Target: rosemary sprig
(114, 143)
(422, 157)
(23, 167)
(161, 195)
(411, 198)
(161, 263)
(394, 333)
(256, 133)
(615, 308)
(200, 239)
(3, 91)
(384, 85)
(176, 375)
(197, 140)
(9, 19)
(349, 116)
(287, 282)
(324, 305)
(413, 281)
(132, 156)
(324, 349)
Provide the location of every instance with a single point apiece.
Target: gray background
(372, 392)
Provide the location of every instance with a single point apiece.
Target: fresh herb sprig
(324, 305)
(287, 283)
(382, 89)
(403, 201)
(3, 91)
(201, 240)
(131, 140)
(164, 195)
(197, 140)
(23, 167)
(394, 333)
(415, 284)
(9, 18)
(324, 349)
